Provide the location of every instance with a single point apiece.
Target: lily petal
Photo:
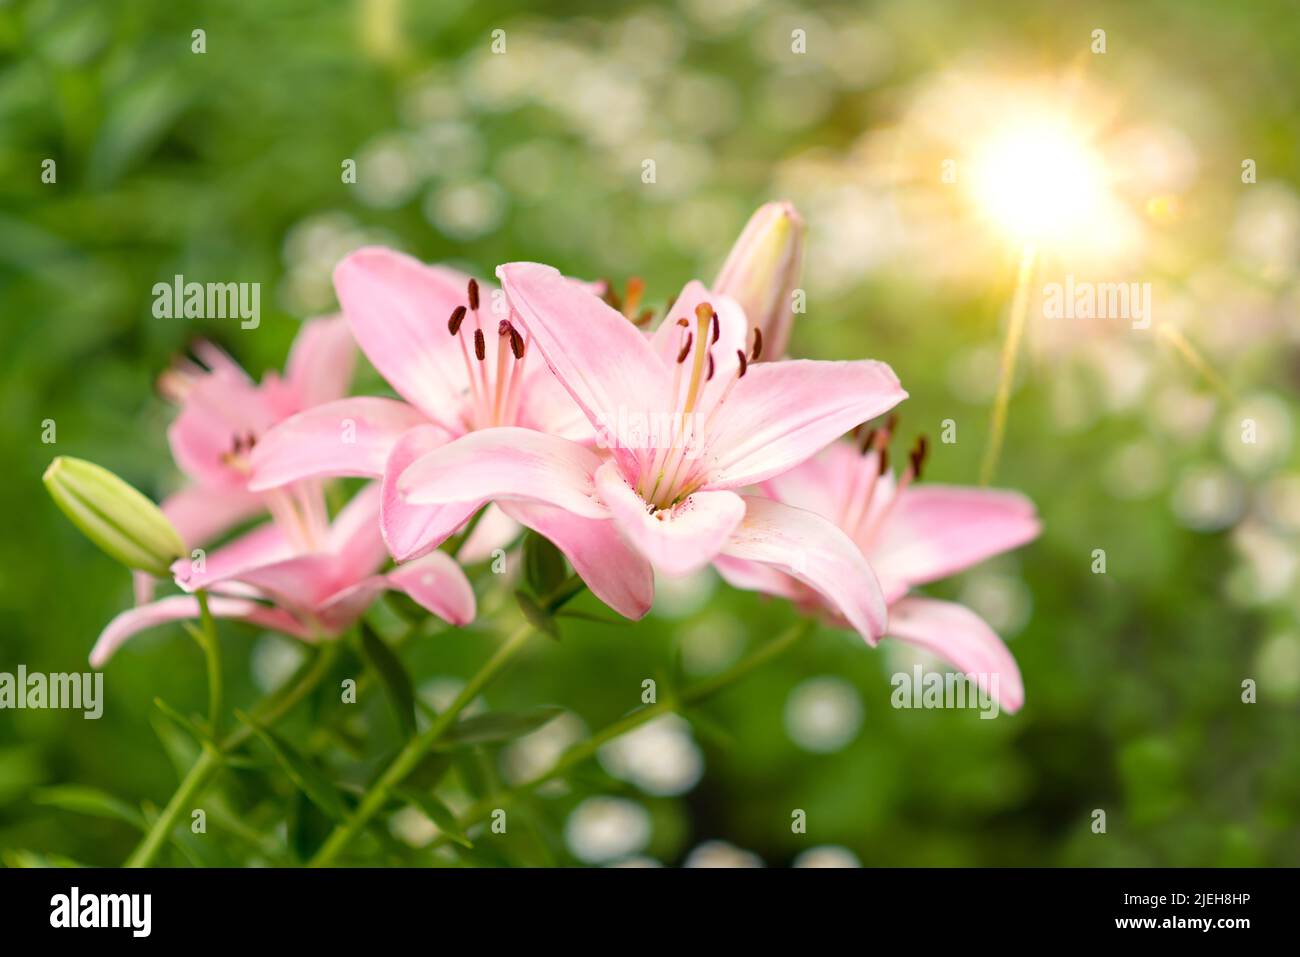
(264, 545)
(506, 463)
(960, 637)
(321, 361)
(604, 361)
(351, 437)
(354, 536)
(808, 547)
(439, 585)
(184, 607)
(616, 573)
(398, 308)
(782, 413)
(412, 530)
(934, 531)
(679, 540)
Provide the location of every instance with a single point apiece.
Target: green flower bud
(113, 515)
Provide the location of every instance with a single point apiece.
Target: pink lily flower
(311, 579)
(911, 535)
(223, 413)
(688, 418)
(444, 344)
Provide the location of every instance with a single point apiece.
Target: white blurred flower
(1278, 666)
(386, 171)
(1136, 470)
(660, 757)
(1002, 599)
(605, 829)
(535, 753)
(711, 644)
(273, 660)
(466, 210)
(721, 854)
(1280, 502)
(823, 714)
(1256, 434)
(1266, 233)
(1208, 498)
(828, 855)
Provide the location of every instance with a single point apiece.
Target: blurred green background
(226, 165)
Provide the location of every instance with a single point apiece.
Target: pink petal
(960, 637)
(733, 336)
(398, 309)
(602, 359)
(411, 530)
(494, 531)
(219, 409)
(264, 545)
(506, 463)
(806, 546)
(753, 576)
(438, 584)
(824, 482)
(679, 540)
(355, 537)
(616, 574)
(352, 437)
(180, 607)
(200, 514)
(336, 613)
(321, 361)
(782, 413)
(934, 531)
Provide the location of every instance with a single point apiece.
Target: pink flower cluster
(631, 451)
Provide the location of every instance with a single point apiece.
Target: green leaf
(392, 674)
(544, 567)
(537, 616)
(306, 776)
(19, 857)
(438, 813)
(591, 616)
(497, 726)
(184, 723)
(92, 801)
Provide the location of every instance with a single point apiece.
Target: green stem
(1007, 364)
(584, 750)
(415, 750)
(212, 654)
(274, 707)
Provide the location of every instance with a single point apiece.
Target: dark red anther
(516, 343)
(917, 455)
(717, 328)
(683, 322)
(503, 327)
(758, 344)
(709, 375)
(686, 349)
(884, 460)
(868, 440)
(473, 294)
(457, 317)
(480, 345)
(744, 363)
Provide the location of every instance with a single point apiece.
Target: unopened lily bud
(113, 515)
(762, 271)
